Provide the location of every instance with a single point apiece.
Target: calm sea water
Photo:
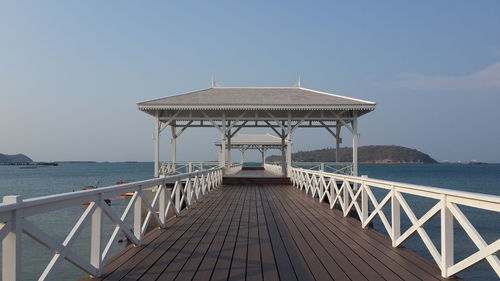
(73, 176)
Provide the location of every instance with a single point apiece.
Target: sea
(69, 177)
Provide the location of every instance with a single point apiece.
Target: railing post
(138, 217)
(189, 190)
(95, 237)
(162, 205)
(447, 258)
(364, 202)
(345, 195)
(395, 216)
(322, 167)
(321, 188)
(11, 244)
(178, 196)
(190, 167)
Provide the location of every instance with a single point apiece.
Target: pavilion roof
(283, 98)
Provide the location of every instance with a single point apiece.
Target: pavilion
(244, 142)
(230, 109)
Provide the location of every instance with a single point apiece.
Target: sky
(71, 72)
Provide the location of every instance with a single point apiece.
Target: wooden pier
(277, 223)
(265, 232)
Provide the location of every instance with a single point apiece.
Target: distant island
(366, 154)
(22, 160)
(16, 159)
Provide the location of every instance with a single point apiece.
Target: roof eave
(256, 107)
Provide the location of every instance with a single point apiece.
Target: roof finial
(298, 83)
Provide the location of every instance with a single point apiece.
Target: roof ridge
(336, 95)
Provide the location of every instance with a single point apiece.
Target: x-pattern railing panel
(14, 212)
(355, 193)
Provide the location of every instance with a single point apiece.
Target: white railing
(355, 194)
(169, 168)
(14, 214)
(235, 168)
(273, 169)
(344, 168)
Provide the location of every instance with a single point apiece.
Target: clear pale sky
(72, 71)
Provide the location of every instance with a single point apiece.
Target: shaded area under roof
(253, 139)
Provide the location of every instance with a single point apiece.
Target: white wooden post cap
(12, 199)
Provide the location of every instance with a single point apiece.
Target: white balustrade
(14, 211)
(169, 168)
(235, 168)
(332, 167)
(273, 169)
(353, 194)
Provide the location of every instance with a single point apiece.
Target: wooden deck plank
(207, 265)
(399, 256)
(239, 260)
(223, 265)
(119, 266)
(354, 266)
(268, 262)
(282, 256)
(341, 247)
(380, 249)
(318, 260)
(193, 264)
(135, 267)
(264, 232)
(254, 260)
(278, 229)
(170, 264)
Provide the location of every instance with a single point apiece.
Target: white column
(156, 146)
(263, 152)
(288, 152)
(221, 160)
(289, 144)
(283, 152)
(242, 157)
(173, 141)
(355, 138)
(229, 158)
(224, 140)
(338, 140)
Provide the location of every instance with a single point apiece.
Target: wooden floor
(253, 174)
(266, 233)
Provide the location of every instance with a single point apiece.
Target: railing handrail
(187, 189)
(187, 162)
(114, 189)
(354, 194)
(491, 198)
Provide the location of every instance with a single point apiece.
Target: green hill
(366, 154)
(14, 159)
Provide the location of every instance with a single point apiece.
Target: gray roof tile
(226, 96)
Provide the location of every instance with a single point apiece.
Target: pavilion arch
(260, 142)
